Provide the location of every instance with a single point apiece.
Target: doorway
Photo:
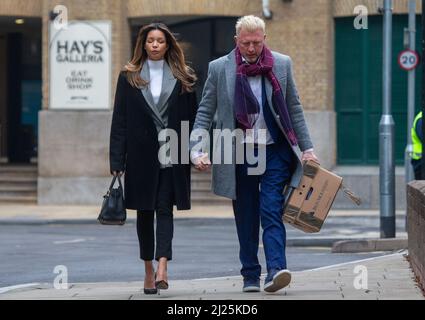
(358, 89)
(203, 39)
(20, 88)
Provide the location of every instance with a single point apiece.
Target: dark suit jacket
(134, 144)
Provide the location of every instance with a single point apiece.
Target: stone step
(18, 169)
(201, 177)
(18, 181)
(18, 184)
(17, 187)
(210, 202)
(204, 196)
(18, 193)
(201, 185)
(18, 199)
(18, 175)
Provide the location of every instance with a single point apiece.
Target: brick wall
(21, 8)
(345, 8)
(146, 8)
(302, 29)
(416, 227)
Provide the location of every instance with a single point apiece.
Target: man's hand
(202, 162)
(309, 155)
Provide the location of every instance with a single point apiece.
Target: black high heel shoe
(150, 291)
(162, 284)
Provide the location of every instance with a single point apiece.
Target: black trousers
(164, 222)
(417, 168)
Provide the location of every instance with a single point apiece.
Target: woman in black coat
(154, 92)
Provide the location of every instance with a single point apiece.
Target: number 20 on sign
(408, 60)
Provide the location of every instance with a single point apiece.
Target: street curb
(369, 245)
(40, 221)
(84, 221)
(318, 242)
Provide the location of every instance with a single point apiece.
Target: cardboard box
(308, 206)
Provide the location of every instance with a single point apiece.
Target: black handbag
(113, 210)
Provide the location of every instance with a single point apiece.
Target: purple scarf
(247, 108)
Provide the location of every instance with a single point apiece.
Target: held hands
(309, 155)
(202, 162)
(118, 173)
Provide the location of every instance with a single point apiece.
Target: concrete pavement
(24, 213)
(383, 278)
(34, 213)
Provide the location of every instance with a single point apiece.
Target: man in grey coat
(252, 90)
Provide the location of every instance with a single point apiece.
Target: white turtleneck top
(156, 70)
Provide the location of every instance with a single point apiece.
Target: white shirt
(156, 71)
(256, 88)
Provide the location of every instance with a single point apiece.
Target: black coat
(134, 145)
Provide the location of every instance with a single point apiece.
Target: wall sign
(80, 65)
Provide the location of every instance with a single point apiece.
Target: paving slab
(382, 278)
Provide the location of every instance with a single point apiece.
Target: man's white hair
(251, 24)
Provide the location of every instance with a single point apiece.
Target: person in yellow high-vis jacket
(417, 139)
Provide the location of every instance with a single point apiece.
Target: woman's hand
(202, 162)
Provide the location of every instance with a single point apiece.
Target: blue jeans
(254, 204)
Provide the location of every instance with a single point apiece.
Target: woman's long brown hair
(174, 57)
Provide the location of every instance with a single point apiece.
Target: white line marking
(354, 262)
(19, 286)
(72, 241)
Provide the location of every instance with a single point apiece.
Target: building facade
(338, 70)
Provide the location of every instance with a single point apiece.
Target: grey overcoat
(218, 97)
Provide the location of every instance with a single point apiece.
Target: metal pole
(411, 93)
(386, 136)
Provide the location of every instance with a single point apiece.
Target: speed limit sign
(408, 60)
